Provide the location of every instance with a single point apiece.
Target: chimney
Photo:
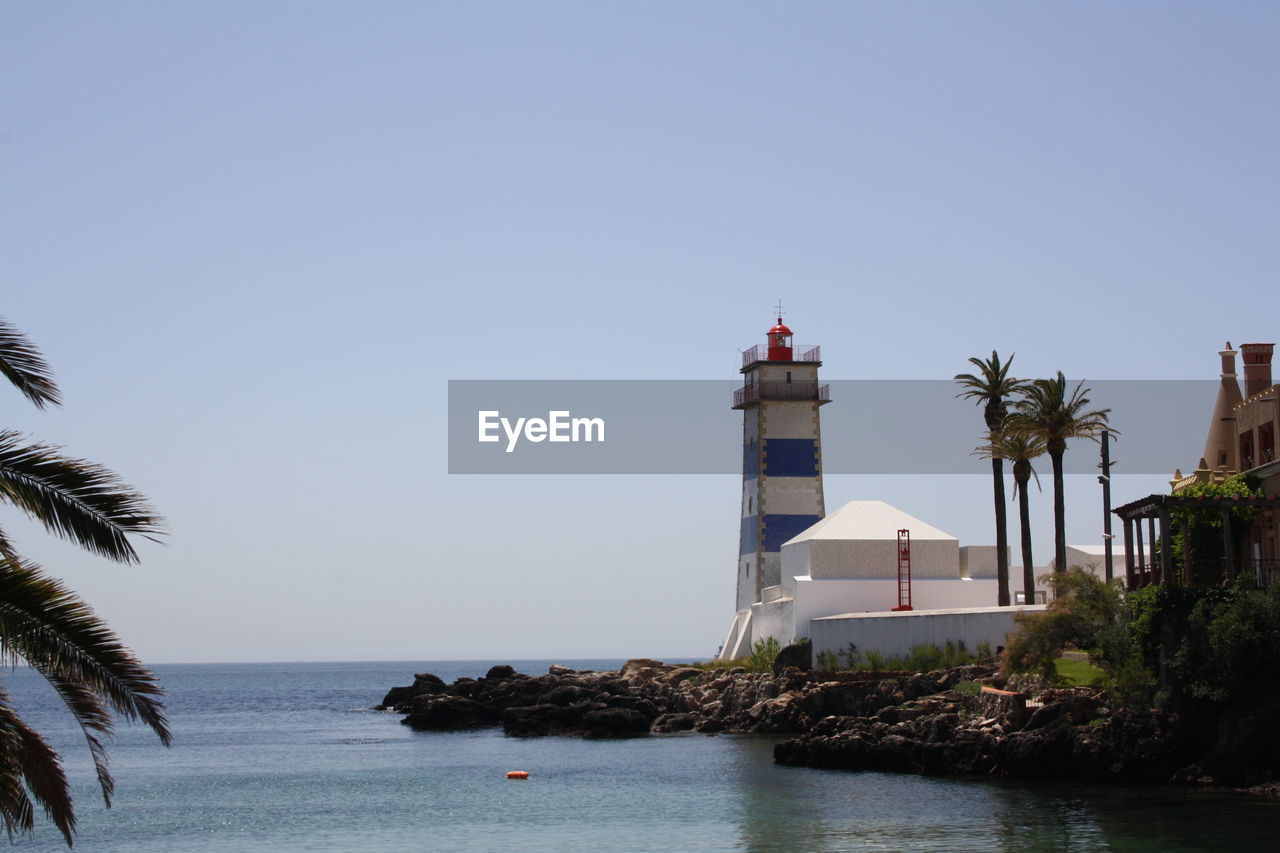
(1257, 367)
(1228, 362)
(1220, 447)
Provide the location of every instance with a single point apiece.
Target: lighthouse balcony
(760, 352)
(758, 392)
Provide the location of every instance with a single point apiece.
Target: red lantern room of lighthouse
(779, 343)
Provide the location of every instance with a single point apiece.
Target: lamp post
(1105, 479)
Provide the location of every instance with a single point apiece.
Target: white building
(846, 565)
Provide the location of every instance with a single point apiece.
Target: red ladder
(904, 570)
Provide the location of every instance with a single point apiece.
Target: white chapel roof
(869, 520)
(1097, 550)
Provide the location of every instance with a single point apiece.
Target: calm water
(287, 757)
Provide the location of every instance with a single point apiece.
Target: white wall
(816, 597)
(979, 561)
(773, 619)
(894, 634)
(795, 562)
(878, 558)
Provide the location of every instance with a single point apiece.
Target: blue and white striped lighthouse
(781, 459)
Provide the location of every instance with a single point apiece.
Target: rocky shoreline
(955, 721)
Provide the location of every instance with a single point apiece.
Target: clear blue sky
(257, 239)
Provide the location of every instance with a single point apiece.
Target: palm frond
(46, 624)
(1017, 447)
(78, 500)
(1048, 410)
(991, 382)
(15, 806)
(56, 632)
(23, 365)
(6, 547)
(29, 764)
(991, 387)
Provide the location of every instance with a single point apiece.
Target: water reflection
(799, 809)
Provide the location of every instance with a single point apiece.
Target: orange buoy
(518, 774)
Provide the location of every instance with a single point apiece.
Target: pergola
(1139, 571)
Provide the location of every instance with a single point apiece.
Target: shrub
(1083, 610)
(1169, 645)
(763, 654)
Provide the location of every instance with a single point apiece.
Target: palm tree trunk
(1028, 568)
(1059, 514)
(1002, 534)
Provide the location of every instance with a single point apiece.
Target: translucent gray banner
(685, 426)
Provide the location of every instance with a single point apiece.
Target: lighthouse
(781, 466)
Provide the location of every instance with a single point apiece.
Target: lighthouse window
(788, 377)
(749, 505)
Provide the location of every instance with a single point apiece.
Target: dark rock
(684, 673)
(467, 687)
(565, 694)
(500, 672)
(674, 723)
(799, 655)
(1246, 749)
(539, 720)
(889, 716)
(636, 664)
(447, 713)
(639, 704)
(400, 697)
(1006, 705)
(614, 722)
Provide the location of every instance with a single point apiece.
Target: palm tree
(1047, 412)
(1020, 449)
(44, 623)
(991, 387)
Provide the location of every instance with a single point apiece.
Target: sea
(292, 757)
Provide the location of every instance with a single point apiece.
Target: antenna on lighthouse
(778, 310)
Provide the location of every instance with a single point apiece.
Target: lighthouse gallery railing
(760, 352)
(781, 391)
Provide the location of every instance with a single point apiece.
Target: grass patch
(761, 658)
(926, 657)
(1078, 673)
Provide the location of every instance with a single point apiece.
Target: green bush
(1083, 611)
(921, 658)
(763, 654)
(1170, 645)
